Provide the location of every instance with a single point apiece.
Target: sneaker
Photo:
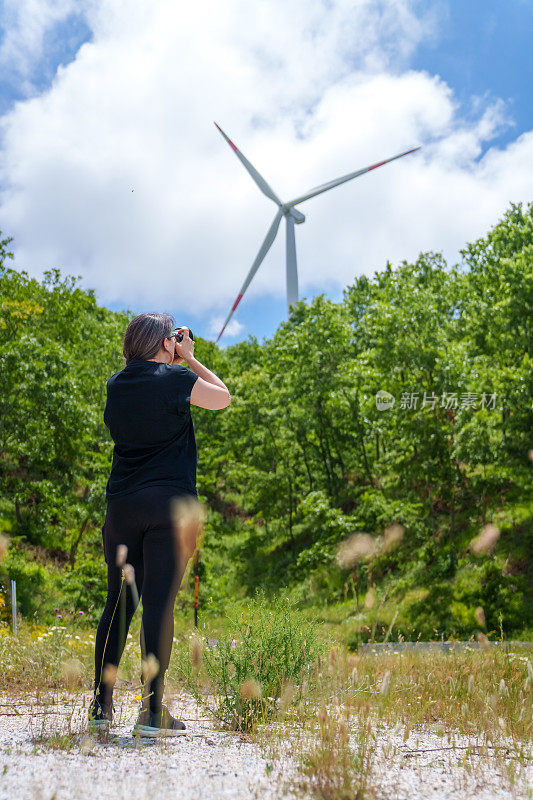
(162, 723)
(100, 716)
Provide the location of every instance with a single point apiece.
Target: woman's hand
(184, 350)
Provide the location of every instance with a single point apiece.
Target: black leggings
(142, 521)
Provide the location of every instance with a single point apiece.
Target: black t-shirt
(149, 418)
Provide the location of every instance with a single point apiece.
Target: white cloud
(233, 328)
(25, 25)
(308, 91)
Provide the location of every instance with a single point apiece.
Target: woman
(154, 463)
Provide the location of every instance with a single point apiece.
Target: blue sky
(479, 50)
(484, 48)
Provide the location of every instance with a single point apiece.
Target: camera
(179, 335)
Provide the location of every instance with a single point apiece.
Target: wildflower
(59, 615)
(81, 612)
(232, 644)
(250, 689)
(486, 540)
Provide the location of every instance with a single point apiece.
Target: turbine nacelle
(294, 213)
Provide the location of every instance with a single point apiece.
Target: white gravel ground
(204, 765)
(432, 766)
(209, 764)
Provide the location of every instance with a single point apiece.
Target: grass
(478, 704)
(341, 718)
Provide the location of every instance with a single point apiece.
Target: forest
(311, 449)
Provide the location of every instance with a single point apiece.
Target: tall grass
(332, 710)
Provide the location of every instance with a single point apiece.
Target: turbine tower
(292, 217)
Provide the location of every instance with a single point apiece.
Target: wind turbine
(292, 217)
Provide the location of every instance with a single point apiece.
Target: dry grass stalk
(392, 537)
(109, 674)
(370, 598)
(480, 616)
(128, 571)
(250, 689)
(72, 671)
(87, 745)
(189, 517)
(385, 683)
(196, 652)
(149, 667)
(288, 693)
(121, 555)
(4, 546)
(357, 547)
(486, 540)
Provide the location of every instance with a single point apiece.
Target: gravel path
(205, 765)
(209, 764)
(432, 766)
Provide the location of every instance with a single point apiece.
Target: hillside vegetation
(303, 457)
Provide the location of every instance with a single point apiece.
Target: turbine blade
(292, 272)
(261, 182)
(263, 250)
(331, 185)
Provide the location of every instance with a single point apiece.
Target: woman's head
(145, 335)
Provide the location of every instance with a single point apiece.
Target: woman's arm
(208, 391)
(202, 371)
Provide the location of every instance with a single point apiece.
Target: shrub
(268, 653)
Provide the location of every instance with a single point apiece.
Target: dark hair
(144, 335)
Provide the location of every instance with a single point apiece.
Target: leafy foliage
(303, 456)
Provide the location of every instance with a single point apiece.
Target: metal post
(14, 606)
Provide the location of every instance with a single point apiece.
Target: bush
(268, 653)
